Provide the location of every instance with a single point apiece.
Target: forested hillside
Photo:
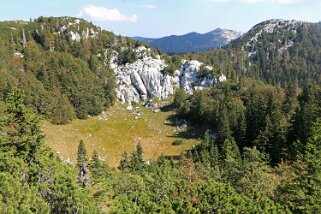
(61, 64)
(277, 52)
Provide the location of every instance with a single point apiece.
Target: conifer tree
(309, 110)
(231, 159)
(255, 116)
(136, 158)
(82, 165)
(96, 162)
(124, 163)
(223, 125)
(99, 168)
(290, 104)
(303, 194)
(21, 127)
(238, 123)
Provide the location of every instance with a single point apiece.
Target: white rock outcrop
(191, 78)
(272, 26)
(144, 78)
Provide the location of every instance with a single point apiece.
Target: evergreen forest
(260, 149)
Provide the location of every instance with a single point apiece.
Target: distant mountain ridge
(192, 42)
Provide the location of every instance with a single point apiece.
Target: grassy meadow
(118, 130)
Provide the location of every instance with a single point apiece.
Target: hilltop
(278, 52)
(60, 63)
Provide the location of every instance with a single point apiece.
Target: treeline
(271, 119)
(261, 154)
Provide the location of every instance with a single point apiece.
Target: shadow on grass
(167, 108)
(193, 132)
(184, 128)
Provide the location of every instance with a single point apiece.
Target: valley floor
(118, 130)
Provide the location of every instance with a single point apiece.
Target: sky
(158, 18)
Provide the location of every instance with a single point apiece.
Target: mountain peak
(193, 41)
(271, 24)
(281, 35)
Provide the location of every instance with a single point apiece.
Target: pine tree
(136, 160)
(82, 165)
(22, 129)
(223, 125)
(263, 139)
(99, 168)
(239, 132)
(214, 155)
(256, 173)
(124, 163)
(277, 147)
(179, 99)
(290, 104)
(255, 116)
(231, 159)
(139, 152)
(96, 162)
(303, 194)
(307, 113)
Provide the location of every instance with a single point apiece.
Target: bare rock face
(144, 78)
(189, 71)
(137, 81)
(191, 78)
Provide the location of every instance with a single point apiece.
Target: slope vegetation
(62, 64)
(278, 52)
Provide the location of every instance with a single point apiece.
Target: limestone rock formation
(144, 78)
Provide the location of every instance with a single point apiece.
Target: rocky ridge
(253, 38)
(144, 78)
(72, 30)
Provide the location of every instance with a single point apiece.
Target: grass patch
(116, 131)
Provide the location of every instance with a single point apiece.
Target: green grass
(117, 131)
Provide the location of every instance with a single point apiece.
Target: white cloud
(264, 1)
(105, 14)
(149, 6)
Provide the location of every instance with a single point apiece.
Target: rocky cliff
(144, 78)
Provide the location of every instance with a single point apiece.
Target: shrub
(173, 64)
(177, 142)
(127, 56)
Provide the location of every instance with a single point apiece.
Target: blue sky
(157, 18)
